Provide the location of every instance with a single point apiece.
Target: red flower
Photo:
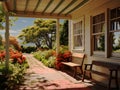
(62, 57)
(67, 54)
(58, 65)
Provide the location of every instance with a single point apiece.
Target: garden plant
(50, 59)
(14, 75)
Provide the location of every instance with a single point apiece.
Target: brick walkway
(40, 77)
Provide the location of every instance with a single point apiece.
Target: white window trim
(82, 48)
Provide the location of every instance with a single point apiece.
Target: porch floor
(40, 77)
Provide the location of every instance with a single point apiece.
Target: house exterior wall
(92, 8)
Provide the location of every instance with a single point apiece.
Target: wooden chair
(73, 65)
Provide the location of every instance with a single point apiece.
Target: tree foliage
(13, 43)
(2, 18)
(42, 33)
(64, 34)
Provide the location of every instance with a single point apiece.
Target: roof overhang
(62, 9)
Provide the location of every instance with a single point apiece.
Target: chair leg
(90, 75)
(62, 68)
(116, 79)
(81, 70)
(110, 79)
(84, 73)
(75, 71)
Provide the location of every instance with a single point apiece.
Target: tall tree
(42, 33)
(64, 34)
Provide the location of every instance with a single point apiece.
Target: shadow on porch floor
(91, 84)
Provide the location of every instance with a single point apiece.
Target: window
(98, 32)
(115, 30)
(78, 35)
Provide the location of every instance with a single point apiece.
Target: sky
(20, 24)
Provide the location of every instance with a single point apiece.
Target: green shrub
(13, 77)
(2, 47)
(51, 61)
(38, 55)
(46, 57)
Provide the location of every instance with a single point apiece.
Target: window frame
(108, 53)
(111, 31)
(80, 48)
(93, 34)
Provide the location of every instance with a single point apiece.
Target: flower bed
(15, 56)
(62, 57)
(15, 72)
(49, 58)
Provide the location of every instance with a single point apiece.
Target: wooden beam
(57, 6)
(14, 5)
(50, 2)
(26, 5)
(40, 15)
(71, 3)
(3, 0)
(37, 5)
(78, 6)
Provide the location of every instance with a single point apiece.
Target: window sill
(99, 53)
(113, 58)
(78, 50)
(116, 55)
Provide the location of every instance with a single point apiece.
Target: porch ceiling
(43, 8)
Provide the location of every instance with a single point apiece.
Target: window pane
(78, 34)
(118, 12)
(78, 41)
(116, 42)
(113, 13)
(118, 24)
(99, 18)
(99, 44)
(96, 28)
(113, 25)
(99, 28)
(115, 19)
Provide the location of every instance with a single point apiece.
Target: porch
(80, 12)
(40, 77)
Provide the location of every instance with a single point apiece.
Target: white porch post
(57, 36)
(70, 41)
(7, 41)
